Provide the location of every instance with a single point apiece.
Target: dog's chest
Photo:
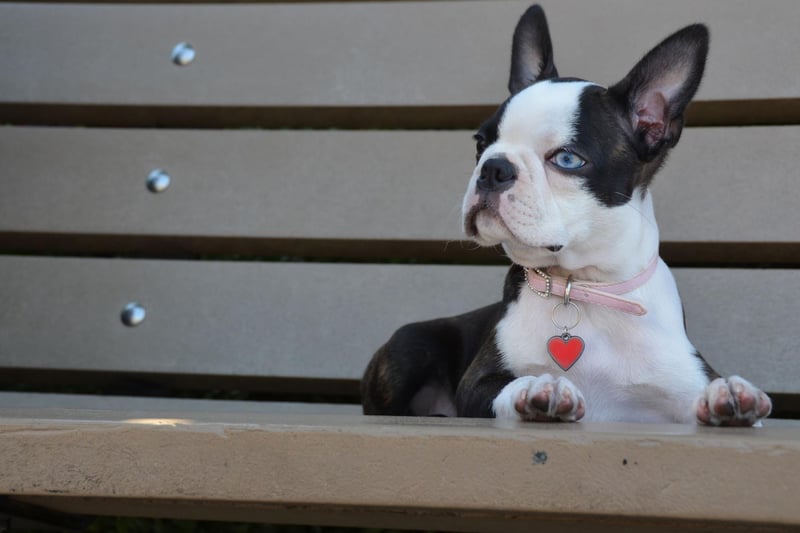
(631, 368)
(523, 335)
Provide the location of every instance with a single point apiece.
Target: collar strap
(604, 294)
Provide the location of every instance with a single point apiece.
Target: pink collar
(605, 294)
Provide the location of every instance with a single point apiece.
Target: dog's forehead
(548, 110)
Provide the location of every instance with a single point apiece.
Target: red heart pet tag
(565, 350)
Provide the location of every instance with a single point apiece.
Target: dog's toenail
(747, 403)
(521, 403)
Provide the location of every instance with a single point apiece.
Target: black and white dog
(591, 325)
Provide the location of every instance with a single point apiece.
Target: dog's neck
(618, 255)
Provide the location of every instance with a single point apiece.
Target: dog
(590, 325)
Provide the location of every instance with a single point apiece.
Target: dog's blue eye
(567, 160)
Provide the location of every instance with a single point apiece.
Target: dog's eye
(567, 160)
(480, 146)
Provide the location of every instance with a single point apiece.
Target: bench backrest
(278, 260)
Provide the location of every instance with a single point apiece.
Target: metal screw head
(133, 314)
(158, 181)
(183, 54)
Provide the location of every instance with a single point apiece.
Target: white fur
(543, 207)
(639, 369)
(546, 206)
(504, 405)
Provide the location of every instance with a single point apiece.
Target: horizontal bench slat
(143, 408)
(449, 474)
(367, 54)
(321, 321)
(348, 185)
(280, 319)
(270, 193)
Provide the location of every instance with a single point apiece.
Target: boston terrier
(590, 325)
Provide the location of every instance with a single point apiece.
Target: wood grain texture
(721, 185)
(368, 54)
(453, 474)
(322, 321)
(138, 407)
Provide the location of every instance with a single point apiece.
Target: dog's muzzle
(497, 174)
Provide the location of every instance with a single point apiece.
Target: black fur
(456, 354)
(613, 169)
(435, 352)
(531, 51)
(655, 129)
(487, 133)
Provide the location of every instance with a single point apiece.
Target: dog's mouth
(471, 221)
(490, 214)
(486, 209)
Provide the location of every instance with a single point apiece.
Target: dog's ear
(654, 95)
(531, 51)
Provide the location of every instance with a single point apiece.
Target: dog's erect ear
(531, 51)
(656, 92)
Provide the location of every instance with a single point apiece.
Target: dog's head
(563, 163)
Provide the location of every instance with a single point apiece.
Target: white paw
(542, 399)
(732, 402)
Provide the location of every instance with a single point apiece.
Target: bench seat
(467, 475)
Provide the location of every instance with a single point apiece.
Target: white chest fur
(634, 368)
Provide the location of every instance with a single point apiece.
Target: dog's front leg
(482, 381)
(540, 399)
(733, 402)
(487, 389)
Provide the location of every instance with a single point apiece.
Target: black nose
(496, 175)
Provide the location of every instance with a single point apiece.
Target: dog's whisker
(451, 222)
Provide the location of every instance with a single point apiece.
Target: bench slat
(465, 475)
(288, 321)
(269, 193)
(279, 319)
(33, 404)
(345, 185)
(324, 54)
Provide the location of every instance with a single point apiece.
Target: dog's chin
(530, 256)
(488, 229)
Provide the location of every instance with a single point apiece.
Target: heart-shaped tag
(565, 350)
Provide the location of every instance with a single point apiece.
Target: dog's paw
(541, 399)
(732, 402)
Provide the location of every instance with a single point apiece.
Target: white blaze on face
(531, 214)
(545, 112)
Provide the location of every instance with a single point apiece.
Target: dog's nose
(497, 174)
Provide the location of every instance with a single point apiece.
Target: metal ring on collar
(566, 327)
(567, 290)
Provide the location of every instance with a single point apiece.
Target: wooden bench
(317, 154)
